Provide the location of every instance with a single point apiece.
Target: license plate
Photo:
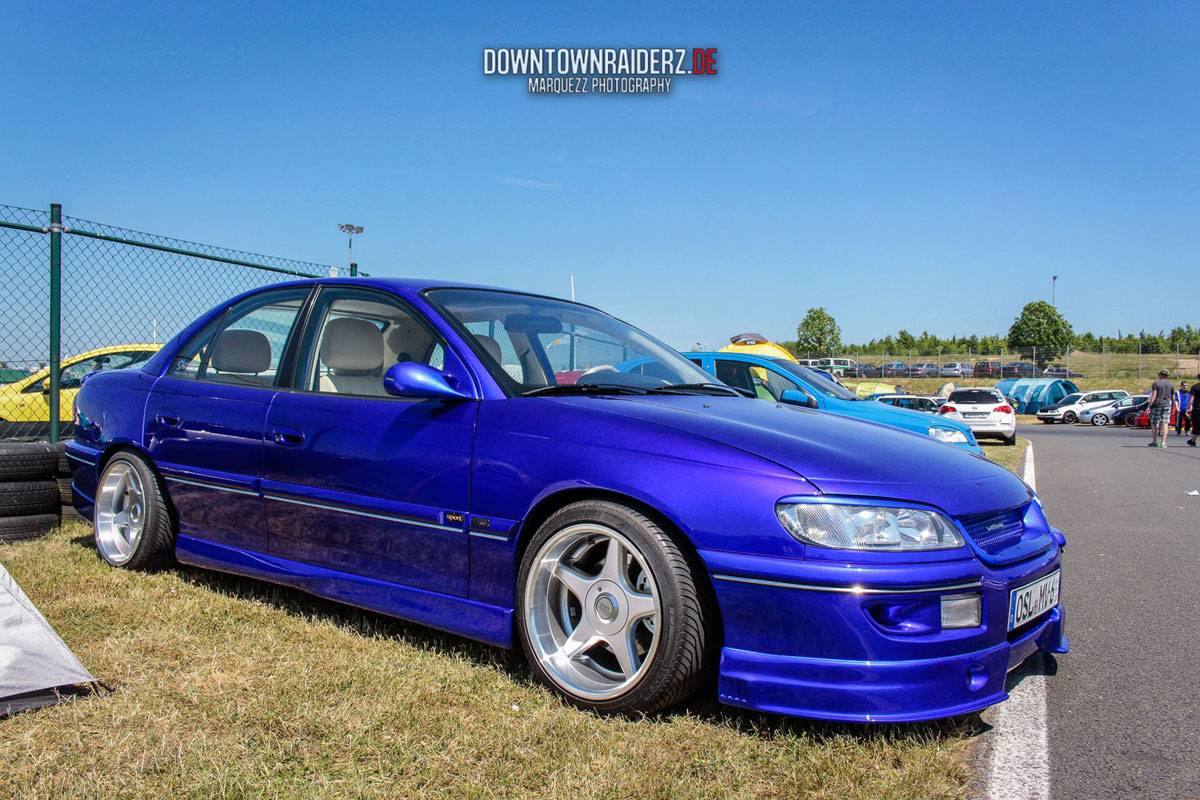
(975, 414)
(1032, 600)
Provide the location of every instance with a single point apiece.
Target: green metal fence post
(354, 270)
(55, 312)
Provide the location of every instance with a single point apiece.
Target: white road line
(1019, 765)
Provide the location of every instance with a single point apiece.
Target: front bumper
(805, 650)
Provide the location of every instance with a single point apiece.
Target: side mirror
(795, 397)
(46, 386)
(410, 379)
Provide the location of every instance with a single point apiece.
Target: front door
(359, 481)
(204, 418)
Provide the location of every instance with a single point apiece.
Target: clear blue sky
(920, 165)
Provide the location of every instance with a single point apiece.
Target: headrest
(243, 351)
(408, 340)
(352, 344)
(491, 346)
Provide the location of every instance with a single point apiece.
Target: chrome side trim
(847, 589)
(495, 536)
(216, 486)
(370, 514)
(81, 459)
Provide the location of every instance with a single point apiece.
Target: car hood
(838, 455)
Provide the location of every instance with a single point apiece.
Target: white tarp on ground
(33, 659)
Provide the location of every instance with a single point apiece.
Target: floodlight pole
(1053, 284)
(350, 231)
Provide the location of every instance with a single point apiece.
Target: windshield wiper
(701, 388)
(584, 388)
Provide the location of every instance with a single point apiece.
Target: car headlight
(948, 435)
(885, 528)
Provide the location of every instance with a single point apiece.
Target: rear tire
(16, 529)
(131, 524)
(610, 615)
(1011, 441)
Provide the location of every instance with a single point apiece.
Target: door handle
(288, 436)
(168, 420)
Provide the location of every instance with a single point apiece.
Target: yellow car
(25, 404)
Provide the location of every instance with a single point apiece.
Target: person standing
(1162, 400)
(1194, 404)
(1185, 408)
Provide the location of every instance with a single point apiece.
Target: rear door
(204, 418)
(359, 481)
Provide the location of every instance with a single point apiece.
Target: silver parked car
(957, 369)
(923, 369)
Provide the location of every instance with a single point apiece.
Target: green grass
(226, 687)
(1012, 458)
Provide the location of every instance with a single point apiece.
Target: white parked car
(836, 366)
(1071, 407)
(957, 369)
(985, 411)
(1105, 413)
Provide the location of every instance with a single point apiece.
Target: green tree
(1040, 325)
(818, 333)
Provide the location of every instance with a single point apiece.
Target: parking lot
(1120, 707)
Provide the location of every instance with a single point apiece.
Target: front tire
(1070, 418)
(611, 616)
(1100, 419)
(131, 524)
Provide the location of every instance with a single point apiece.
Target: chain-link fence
(1027, 362)
(79, 296)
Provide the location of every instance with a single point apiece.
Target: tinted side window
(777, 384)
(246, 344)
(735, 374)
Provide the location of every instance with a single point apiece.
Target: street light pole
(350, 230)
(1053, 283)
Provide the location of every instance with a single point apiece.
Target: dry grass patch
(1012, 458)
(225, 687)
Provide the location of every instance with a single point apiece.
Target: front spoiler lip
(878, 691)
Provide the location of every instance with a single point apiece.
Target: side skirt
(458, 615)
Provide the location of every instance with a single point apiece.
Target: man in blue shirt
(1184, 413)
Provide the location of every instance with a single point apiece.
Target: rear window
(973, 396)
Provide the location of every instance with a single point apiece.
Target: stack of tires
(30, 493)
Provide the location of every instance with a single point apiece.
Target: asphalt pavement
(1123, 707)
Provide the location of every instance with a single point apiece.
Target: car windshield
(814, 381)
(529, 343)
(973, 396)
(1069, 399)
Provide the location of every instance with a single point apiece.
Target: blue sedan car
(472, 459)
(784, 381)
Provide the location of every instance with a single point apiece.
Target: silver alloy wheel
(1099, 419)
(591, 608)
(120, 513)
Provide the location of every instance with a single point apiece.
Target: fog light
(961, 611)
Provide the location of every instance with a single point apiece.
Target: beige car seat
(352, 352)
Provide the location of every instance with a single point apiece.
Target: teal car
(782, 381)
